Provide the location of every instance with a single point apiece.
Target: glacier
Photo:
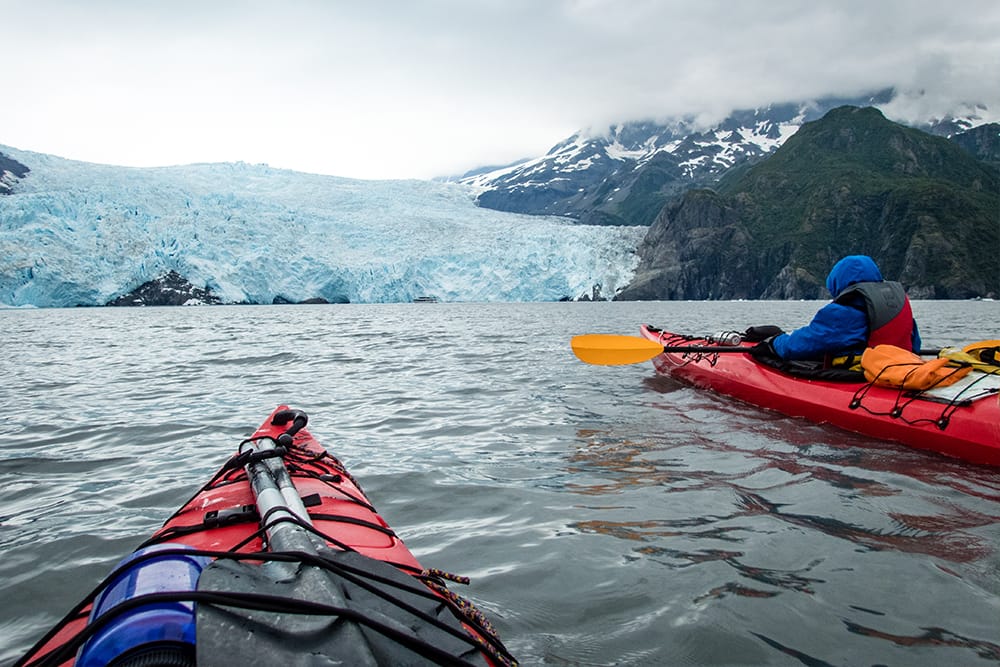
(77, 233)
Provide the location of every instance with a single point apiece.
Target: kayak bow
(279, 559)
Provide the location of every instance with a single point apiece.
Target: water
(606, 516)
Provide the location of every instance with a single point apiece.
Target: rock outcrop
(171, 289)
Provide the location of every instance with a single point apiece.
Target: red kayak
(279, 559)
(962, 420)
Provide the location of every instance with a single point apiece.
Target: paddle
(615, 350)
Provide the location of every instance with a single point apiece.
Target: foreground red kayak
(279, 559)
(962, 420)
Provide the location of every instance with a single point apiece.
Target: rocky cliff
(982, 142)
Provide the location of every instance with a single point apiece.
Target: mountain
(851, 182)
(626, 175)
(74, 233)
(982, 142)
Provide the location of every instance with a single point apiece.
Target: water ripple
(607, 516)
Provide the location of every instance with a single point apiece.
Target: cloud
(424, 88)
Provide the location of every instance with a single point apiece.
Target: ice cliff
(75, 233)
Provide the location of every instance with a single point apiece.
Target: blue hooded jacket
(836, 329)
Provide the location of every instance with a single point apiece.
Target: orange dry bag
(891, 366)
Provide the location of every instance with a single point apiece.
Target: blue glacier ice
(76, 233)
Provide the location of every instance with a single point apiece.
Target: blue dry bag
(165, 628)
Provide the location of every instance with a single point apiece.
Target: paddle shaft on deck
(281, 509)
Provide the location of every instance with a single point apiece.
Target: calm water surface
(605, 515)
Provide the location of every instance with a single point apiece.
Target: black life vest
(890, 319)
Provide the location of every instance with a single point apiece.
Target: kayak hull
(222, 517)
(968, 432)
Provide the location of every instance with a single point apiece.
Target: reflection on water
(622, 467)
(948, 542)
(932, 637)
(738, 510)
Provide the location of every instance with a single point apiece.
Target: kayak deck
(961, 426)
(347, 551)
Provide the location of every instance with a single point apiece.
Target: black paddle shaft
(712, 349)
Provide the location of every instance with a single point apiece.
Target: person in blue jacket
(866, 311)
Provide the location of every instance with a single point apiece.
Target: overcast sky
(423, 88)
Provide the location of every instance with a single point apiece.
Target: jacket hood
(852, 269)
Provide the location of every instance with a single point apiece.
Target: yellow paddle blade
(981, 345)
(613, 350)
